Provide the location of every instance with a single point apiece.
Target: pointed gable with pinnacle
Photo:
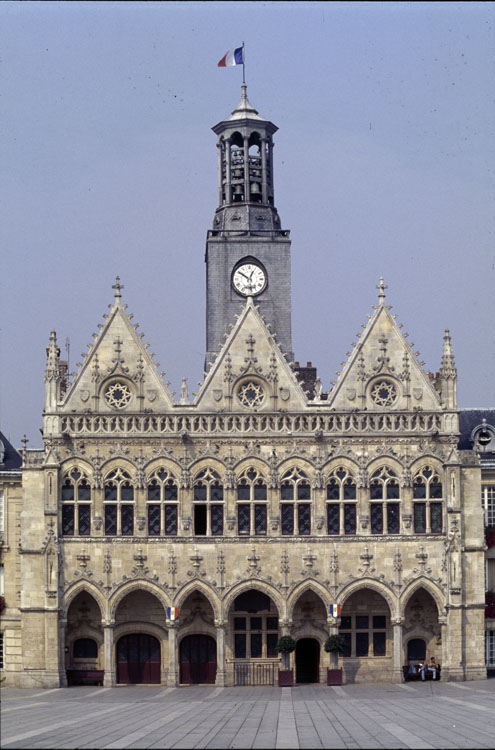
(250, 374)
(383, 372)
(118, 375)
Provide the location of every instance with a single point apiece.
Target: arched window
(384, 486)
(341, 502)
(76, 504)
(295, 506)
(208, 504)
(119, 504)
(427, 505)
(85, 648)
(162, 504)
(251, 503)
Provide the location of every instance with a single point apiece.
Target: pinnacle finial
(381, 290)
(117, 286)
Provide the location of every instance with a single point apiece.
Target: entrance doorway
(138, 659)
(198, 660)
(308, 660)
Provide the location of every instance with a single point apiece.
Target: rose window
(251, 394)
(118, 395)
(384, 393)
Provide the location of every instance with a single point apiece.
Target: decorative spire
(53, 354)
(448, 368)
(381, 291)
(117, 286)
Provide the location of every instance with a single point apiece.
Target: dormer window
(483, 438)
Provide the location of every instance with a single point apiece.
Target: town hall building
(172, 541)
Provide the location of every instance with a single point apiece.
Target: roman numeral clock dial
(249, 279)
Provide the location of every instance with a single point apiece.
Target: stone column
(109, 678)
(62, 626)
(398, 675)
(173, 671)
(247, 192)
(333, 629)
(220, 170)
(264, 176)
(228, 172)
(221, 627)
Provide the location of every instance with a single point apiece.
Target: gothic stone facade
(173, 541)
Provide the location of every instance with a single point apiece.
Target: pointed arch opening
(84, 641)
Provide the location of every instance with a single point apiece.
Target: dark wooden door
(138, 659)
(308, 660)
(198, 660)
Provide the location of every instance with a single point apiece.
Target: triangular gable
(250, 373)
(117, 375)
(382, 372)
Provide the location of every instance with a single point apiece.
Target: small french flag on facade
(335, 610)
(172, 613)
(232, 57)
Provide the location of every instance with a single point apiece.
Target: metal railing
(255, 674)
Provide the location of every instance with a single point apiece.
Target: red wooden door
(138, 659)
(198, 660)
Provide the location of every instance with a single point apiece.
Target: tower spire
(448, 374)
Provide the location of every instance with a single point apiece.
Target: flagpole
(243, 65)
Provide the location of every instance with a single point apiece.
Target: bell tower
(247, 252)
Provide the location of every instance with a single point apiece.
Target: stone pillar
(109, 678)
(247, 190)
(220, 170)
(62, 625)
(333, 629)
(173, 671)
(228, 172)
(221, 627)
(264, 176)
(398, 675)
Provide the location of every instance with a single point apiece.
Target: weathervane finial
(117, 286)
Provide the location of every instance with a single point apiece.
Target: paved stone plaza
(417, 715)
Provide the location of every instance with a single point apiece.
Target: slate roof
(12, 460)
(468, 420)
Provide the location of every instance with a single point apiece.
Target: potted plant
(285, 646)
(334, 645)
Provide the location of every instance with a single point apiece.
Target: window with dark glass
(243, 519)
(347, 644)
(333, 518)
(436, 518)
(171, 520)
(419, 512)
(362, 622)
(303, 491)
(84, 519)
(393, 518)
(349, 518)
(304, 518)
(271, 645)
(154, 520)
(110, 520)
(362, 644)
(85, 648)
(200, 492)
(379, 644)
(127, 520)
(68, 520)
(200, 520)
(260, 519)
(255, 637)
(217, 520)
(287, 518)
(240, 645)
(68, 490)
(376, 518)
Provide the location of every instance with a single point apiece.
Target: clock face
(249, 279)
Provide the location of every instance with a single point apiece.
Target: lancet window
(341, 502)
(162, 504)
(251, 504)
(384, 515)
(76, 504)
(295, 503)
(119, 504)
(427, 502)
(208, 504)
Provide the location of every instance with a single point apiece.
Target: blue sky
(384, 166)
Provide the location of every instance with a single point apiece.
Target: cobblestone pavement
(413, 715)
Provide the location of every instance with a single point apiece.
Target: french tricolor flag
(232, 57)
(335, 610)
(172, 613)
